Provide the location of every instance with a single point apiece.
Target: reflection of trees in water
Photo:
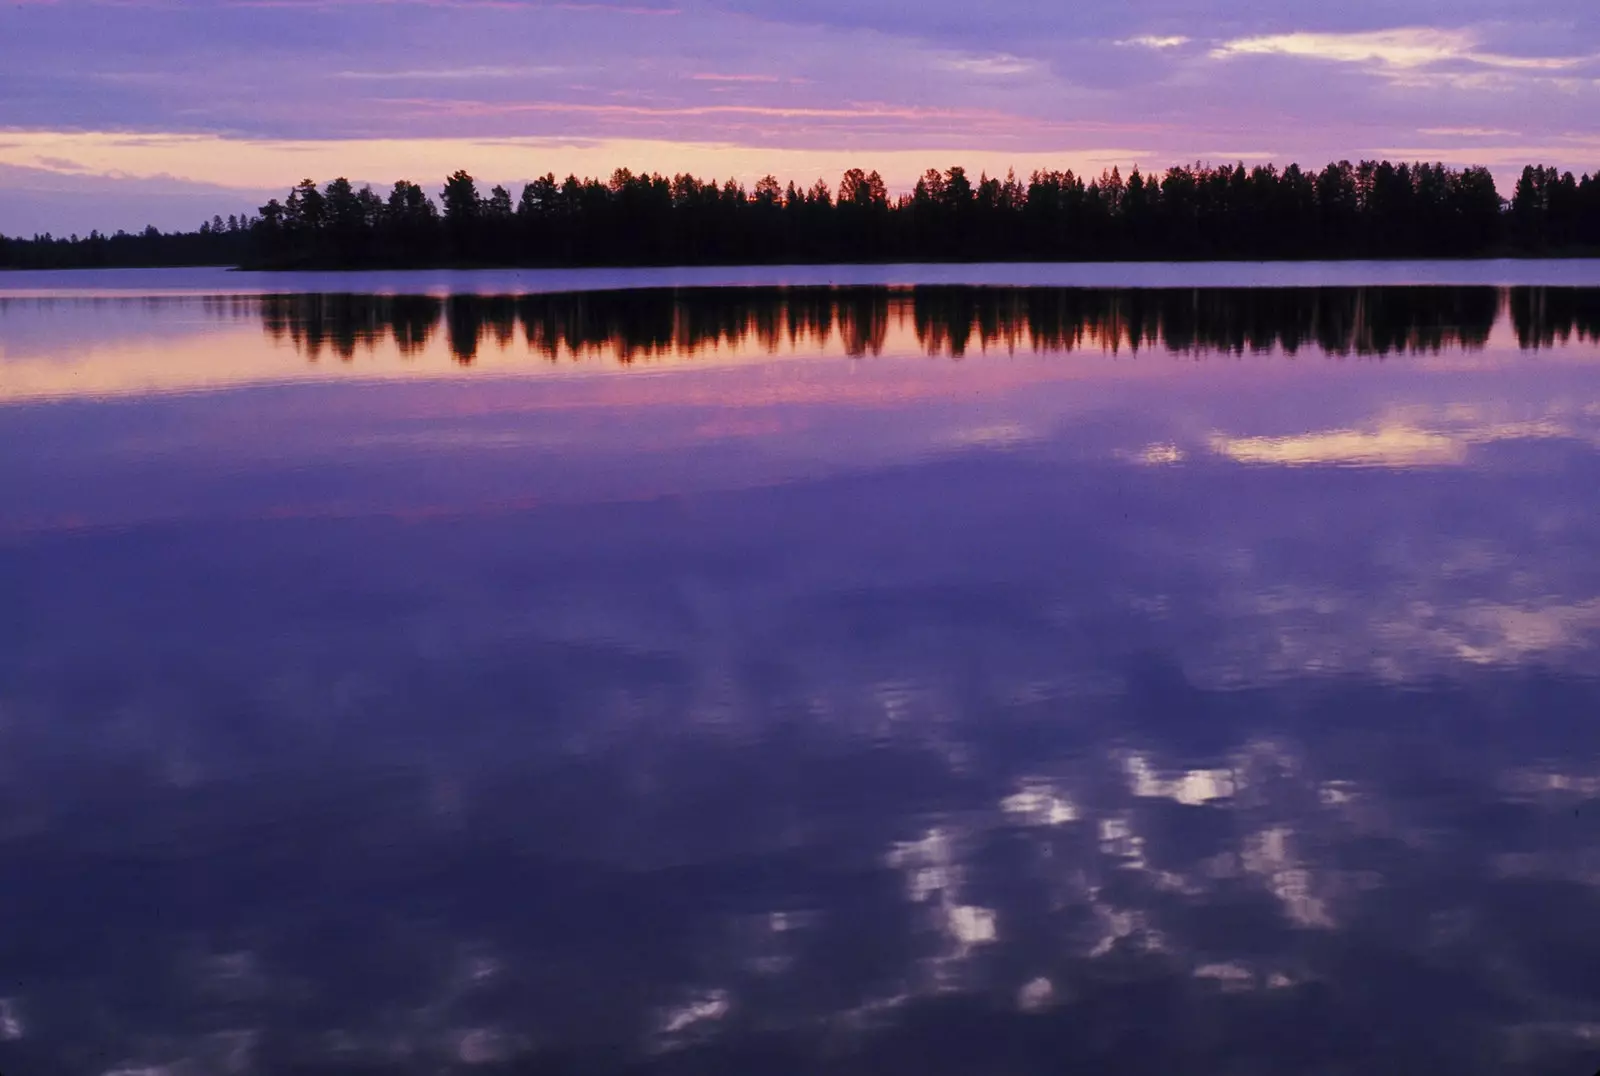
(1542, 316)
(628, 326)
(1363, 321)
(632, 326)
(470, 319)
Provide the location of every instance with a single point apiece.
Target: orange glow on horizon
(66, 160)
(255, 165)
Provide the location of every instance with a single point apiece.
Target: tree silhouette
(1345, 209)
(462, 209)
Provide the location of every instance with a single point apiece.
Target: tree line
(216, 242)
(644, 325)
(1370, 209)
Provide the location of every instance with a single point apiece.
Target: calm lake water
(407, 674)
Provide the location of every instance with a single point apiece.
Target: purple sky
(166, 111)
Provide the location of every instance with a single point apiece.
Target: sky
(119, 113)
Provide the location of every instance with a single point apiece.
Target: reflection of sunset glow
(198, 342)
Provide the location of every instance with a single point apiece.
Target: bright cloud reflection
(1394, 446)
(1401, 440)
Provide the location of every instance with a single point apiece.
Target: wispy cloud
(509, 5)
(452, 73)
(59, 164)
(1001, 64)
(849, 111)
(1151, 41)
(1402, 48)
(1467, 132)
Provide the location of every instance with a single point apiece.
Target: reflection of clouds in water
(1395, 446)
(1094, 870)
(936, 880)
(1158, 454)
(1036, 803)
(713, 1005)
(1192, 788)
(1268, 854)
(965, 741)
(1409, 437)
(1513, 633)
(1402, 635)
(485, 1046)
(1533, 782)
(1002, 435)
(1035, 995)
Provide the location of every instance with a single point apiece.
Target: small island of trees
(1371, 209)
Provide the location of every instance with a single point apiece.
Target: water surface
(1492, 272)
(928, 680)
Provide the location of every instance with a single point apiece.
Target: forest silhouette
(642, 325)
(1370, 209)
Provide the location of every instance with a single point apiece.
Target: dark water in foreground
(947, 681)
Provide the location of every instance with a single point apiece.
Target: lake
(930, 669)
